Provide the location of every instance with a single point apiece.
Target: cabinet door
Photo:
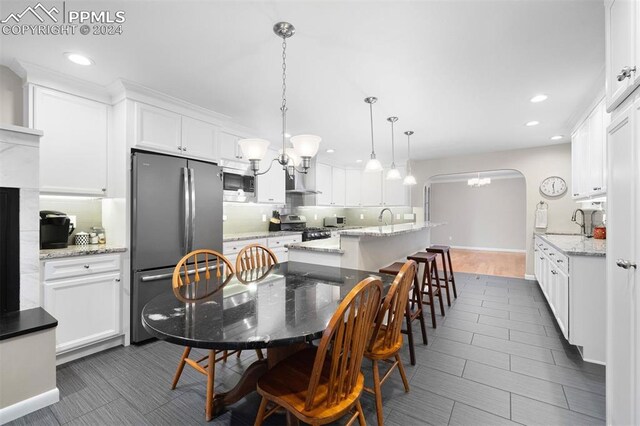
(338, 191)
(395, 193)
(371, 188)
(73, 150)
(158, 129)
(620, 16)
(353, 187)
(87, 309)
(323, 184)
(199, 138)
(623, 294)
(229, 148)
(597, 156)
(580, 160)
(271, 186)
(562, 301)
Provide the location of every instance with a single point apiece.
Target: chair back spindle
(195, 270)
(255, 256)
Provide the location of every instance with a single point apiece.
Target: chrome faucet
(574, 219)
(382, 212)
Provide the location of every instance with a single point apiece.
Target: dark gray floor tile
(473, 290)
(513, 348)
(117, 412)
(483, 311)
(492, 291)
(534, 319)
(469, 301)
(489, 297)
(464, 415)
(585, 402)
(570, 358)
(454, 334)
(509, 381)
(44, 416)
(470, 352)
(461, 315)
(513, 325)
(81, 390)
(531, 412)
(474, 327)
(537, 340)
(421, 403)
(477, 395)
(561, 375)
(522, 291)
(523, 301)
(511, 308)
(440, 361)
(399, 418)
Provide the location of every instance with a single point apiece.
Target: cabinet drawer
(80, 266)
(282, 241)
(233, 247)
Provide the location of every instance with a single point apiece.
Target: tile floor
(496, 358)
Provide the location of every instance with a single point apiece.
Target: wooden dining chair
(254, 256)
(386, 338)
(319, 385)
(197, 275)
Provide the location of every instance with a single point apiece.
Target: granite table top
(327, 245)
(576, 245)
(257, 234)
(80, 250)
(288, 303)
(389, 230)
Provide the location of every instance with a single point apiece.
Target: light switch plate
(73, 220)
(264, 217)
(224, 217)
(397, 216)
(315, 217)
(361, 216)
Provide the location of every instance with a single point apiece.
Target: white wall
(535, 164)
(489, 217)
(11, 97)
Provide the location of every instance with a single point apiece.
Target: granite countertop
(576, 245)
(83, 250)
(257, 234)
(389, 230)
(327, 245)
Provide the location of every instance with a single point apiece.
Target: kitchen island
(367, 249)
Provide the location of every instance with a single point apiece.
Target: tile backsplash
(88, 213)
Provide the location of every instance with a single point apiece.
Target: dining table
(281, 308)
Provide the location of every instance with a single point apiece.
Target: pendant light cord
(283, 108)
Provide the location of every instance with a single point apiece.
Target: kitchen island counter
(327, 245)
(389, 230)
(80, 250)
(257, 234)
(576, 245)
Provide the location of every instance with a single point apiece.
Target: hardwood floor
(503, 264)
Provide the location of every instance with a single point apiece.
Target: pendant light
(373, 165)
(393, 173)
(304, 146)
(409, 179)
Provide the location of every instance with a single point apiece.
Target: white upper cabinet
(270, 186)
(372, 188)
(158, 129)
(230, 149)
(395, 193)
(323, 185)
(353, 187)
(73, 150)
(622, 28)
(199, 138)
(589, 155)
(338, 191)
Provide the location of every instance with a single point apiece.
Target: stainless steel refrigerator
(176, 208)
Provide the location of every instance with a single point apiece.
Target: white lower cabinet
(87, 305)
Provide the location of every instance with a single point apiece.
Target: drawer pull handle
(560, 261)
(117, 280)
(542, 258)
(625, 73)
(554, 272)
(86, 266)
(552, 254)
(545, 248)
(597, 188)
(626, 264)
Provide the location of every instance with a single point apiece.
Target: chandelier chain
(283, 108)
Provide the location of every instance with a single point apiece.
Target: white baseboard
(489, 249)
(529, 277)
(30, 405)
(73, 354)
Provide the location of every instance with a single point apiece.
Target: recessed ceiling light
(358, 161)
(539, 98)
(79, 59)
(556, 137)
(331, 151)
(532, 123)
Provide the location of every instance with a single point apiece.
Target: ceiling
(458, 73)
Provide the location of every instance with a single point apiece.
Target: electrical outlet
(397, 216)
(361, 216)
(315, 217)
(264, 217)
(72, 220)
(450, 238)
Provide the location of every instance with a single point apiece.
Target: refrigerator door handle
(192, 182)
(185, 190)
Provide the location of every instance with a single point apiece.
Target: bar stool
(448, 274)
(410, 314)
(430, 272)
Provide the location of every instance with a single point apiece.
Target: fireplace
(9, 250)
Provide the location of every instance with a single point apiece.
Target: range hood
(303, 184)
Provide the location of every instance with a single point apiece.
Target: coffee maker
(55, 228)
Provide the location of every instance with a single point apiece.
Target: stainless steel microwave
(335, 222)
(238, 185)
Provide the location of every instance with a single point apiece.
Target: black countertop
(19, 323)
(289, 303)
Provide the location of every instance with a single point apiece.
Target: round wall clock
(553, 186)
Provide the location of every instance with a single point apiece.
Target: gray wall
(10, 97)
(490, 217)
